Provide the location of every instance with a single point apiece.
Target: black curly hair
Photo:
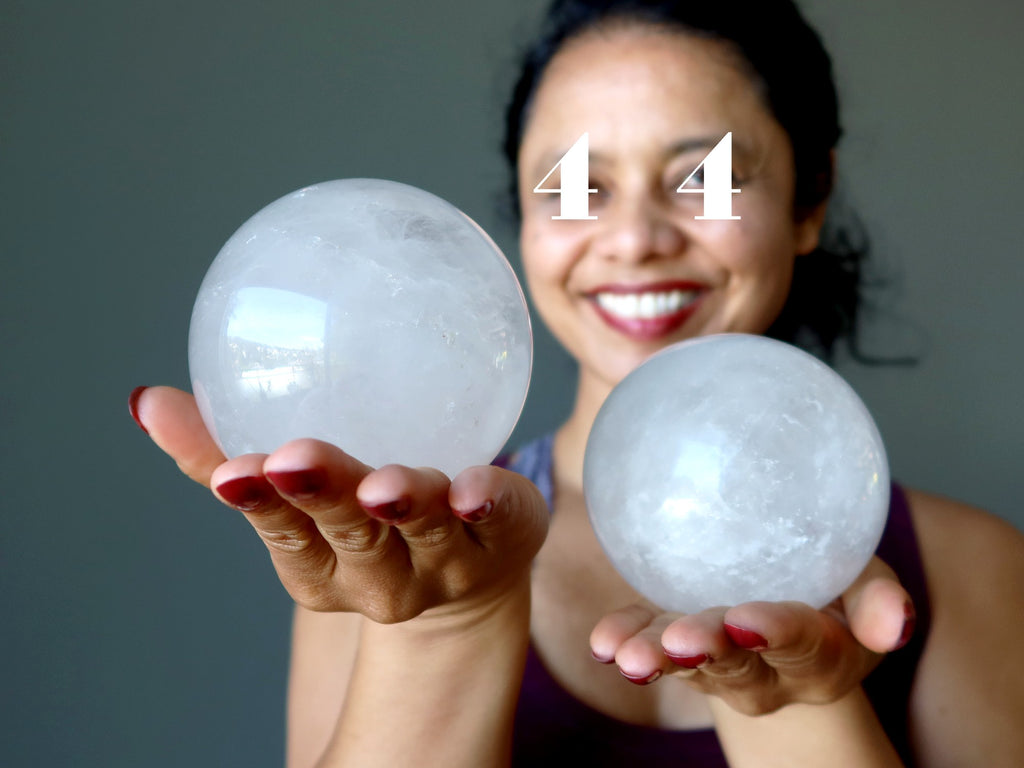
(788, 63)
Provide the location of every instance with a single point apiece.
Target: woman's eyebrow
(690, 144)
(707, 143)
(680, 147)
(548, 160)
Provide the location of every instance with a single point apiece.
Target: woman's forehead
(640, 81)
(605, 41)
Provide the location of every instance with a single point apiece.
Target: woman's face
(645, 273)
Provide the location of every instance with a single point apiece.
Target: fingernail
(300, 483)
(133, 406)
(478, 514)
(390, 512)
(745, 638)
(643, 680)
(601, 659)
(244, 492)
(689, 662)
(909, 622)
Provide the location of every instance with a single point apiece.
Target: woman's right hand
(391, 544)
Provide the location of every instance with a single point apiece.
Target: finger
(617, 627)
(699, 640)
(641, 658)
(503, 509)
(787, 632)
(879, 610)
(299, 552)
(871, 617)
(172, 420)
(797, 642)
(240, 484)
(320, 480)
(389, 530)
(413, 500)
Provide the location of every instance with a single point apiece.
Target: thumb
(879, 610)
(172, 420)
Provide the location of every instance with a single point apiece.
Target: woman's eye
(601, 193)
(694, 181)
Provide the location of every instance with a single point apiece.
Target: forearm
(439, 691)
(845, 732)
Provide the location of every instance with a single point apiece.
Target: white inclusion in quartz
(367, 313)
(734, 468)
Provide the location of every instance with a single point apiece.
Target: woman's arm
(438, 568)
(324, 647)
(442, 689)
(790, 683)
(967, 706)
(436, 690)
(843, 733)
(783, 679)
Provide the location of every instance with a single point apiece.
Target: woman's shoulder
(969, 690)
(973, 560)
(953, 533)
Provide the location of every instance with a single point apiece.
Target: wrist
(497, 606)
(504, 610)
(806, 735)
(454, 670)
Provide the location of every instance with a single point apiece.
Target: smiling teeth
(644, 306)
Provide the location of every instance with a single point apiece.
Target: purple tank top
(553, 728)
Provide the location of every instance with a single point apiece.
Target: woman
(420, 599)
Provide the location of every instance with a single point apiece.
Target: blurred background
(142, 622)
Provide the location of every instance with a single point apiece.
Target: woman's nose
(639, 230)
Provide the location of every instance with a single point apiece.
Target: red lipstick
(624, 315)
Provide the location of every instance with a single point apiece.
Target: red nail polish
(244, 492)
(390, 512)
(133, 406)
(909, 622)
(688, 662)
(745, 638)
(300, 483)
(478, 514)
(643, 680)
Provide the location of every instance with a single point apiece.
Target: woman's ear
(810, 221)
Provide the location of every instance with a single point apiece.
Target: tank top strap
(534, 462)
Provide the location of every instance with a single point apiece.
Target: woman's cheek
(755, 243)
(550, 247)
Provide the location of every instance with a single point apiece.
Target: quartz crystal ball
(366, 313)
(734, 468)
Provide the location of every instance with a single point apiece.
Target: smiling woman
(646, 242)
(481, 593)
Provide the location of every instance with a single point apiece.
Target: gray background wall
(142, 623)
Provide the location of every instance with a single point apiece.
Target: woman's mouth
(650, 312)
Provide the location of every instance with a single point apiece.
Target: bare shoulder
(968, 697)
(963, 546)
(974, 565)
(324, 647)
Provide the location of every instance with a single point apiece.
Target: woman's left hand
(759, 657)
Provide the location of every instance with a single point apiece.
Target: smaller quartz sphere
(366, 313)
(734, 468)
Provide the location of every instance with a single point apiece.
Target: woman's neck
(571, 437)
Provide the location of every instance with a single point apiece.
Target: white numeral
(717, 189)
(574, 190)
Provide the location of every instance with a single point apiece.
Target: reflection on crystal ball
(366, 313)
(734, 468)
